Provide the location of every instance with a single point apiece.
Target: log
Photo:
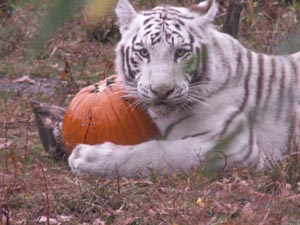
(49, 122)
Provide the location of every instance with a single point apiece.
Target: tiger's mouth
(163, 106)
(160, 103)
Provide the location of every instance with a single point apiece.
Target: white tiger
(202, 88)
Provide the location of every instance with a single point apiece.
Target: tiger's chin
(160, 110)
(163, 110)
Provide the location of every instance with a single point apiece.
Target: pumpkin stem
(110, 81)
(96, 89)
(99, 87)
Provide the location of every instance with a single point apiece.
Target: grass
(35, 188)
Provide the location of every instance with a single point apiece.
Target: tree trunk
(232, 21)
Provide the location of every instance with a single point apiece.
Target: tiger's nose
(162, 92)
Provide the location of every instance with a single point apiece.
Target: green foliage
(59, 13)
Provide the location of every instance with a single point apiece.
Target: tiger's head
(162, 56)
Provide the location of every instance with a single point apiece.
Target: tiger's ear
(207, 9)
(125, 13)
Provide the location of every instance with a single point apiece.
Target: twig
(25, 148)
(82, 68)
(4, 210)
(47, 210)
(266, 216)
(118, 180)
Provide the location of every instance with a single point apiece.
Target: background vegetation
(50, 63)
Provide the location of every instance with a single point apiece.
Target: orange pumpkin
(99, 113)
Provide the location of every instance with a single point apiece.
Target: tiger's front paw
(100, 160)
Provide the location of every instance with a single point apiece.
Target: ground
(37, 189)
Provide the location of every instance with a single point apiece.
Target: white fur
(126, 13)
(264, 125)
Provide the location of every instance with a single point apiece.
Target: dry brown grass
(34, 187)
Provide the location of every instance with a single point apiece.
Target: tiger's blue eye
(180, 52)
(144, 53)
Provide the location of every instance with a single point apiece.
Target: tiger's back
(203, 89)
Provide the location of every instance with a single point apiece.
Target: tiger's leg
(110, 160)
(180, 156)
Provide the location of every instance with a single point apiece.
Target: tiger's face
(160, 59)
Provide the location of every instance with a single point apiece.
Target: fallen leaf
(200, 202)
(44, 220)
(63, 218)
(4, 144)
(99, 222)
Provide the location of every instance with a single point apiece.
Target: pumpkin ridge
(119, 121)
(81, 98)
(137, 122)
(90, 118)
